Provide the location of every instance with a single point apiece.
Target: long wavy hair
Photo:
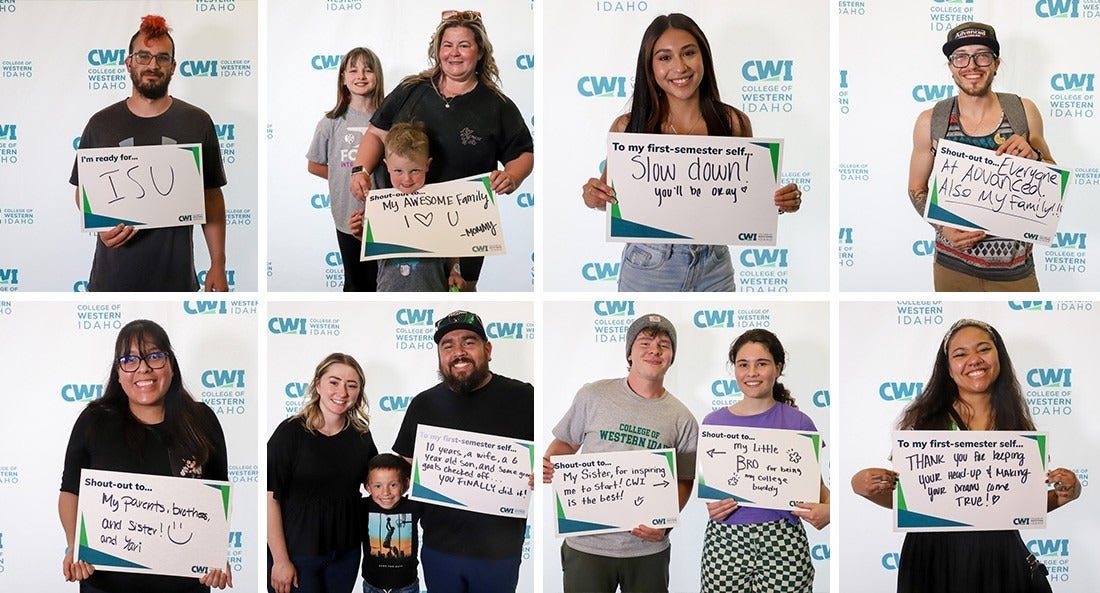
(931, 410)
(368, 59)
(185, 421)
(487, 72)
(769, 341)
(649, 105)
(358, 416)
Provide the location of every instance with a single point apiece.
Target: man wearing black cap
(610, 415)
(463, 551)
(972, 261)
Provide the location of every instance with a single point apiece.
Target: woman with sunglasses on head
(472, 126)
(145, 423)
(676, 92)
(973, 387)
(316, 462)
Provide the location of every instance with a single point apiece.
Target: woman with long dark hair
(675, 92)
(973, 387)
(316, 461)
(145, 423)
(752, 549)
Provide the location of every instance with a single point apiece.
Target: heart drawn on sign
(425, 219)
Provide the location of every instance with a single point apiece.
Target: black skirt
(963, 562)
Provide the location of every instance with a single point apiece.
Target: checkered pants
(771, 557)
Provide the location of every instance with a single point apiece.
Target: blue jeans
(413, 588)
(447, 573)
(652, 267)
(334, 572)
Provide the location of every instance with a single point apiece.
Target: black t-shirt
(316, 479)
(504, 407)
(390, 542)
(160, 259)
(103, 440)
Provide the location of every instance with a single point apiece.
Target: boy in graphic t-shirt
(389, 526)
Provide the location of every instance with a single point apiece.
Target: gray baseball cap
(650, 322)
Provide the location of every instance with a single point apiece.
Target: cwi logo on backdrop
(725, 388)
(9, 144)
(1076, 82)
(215, 68)
(1050, 378)
(415, 329)
(320, 201)
(1031, 305)
(9, 279)
(890, 561)
(1050, 391)
(415, 317)
(1054, 553)
(764, 258)
(1074, 241)
(205, 307)
(605, 86)
(628, 6)
(820, 552)
(846, 251)
(230, 278)
(614, 308)
(325, 61)
(930, 93)
(767, 70)
(81, 392)
(525, 62)
(1058, 9)
(821, 398)
(223, 378)
(499, 330)
(394, 403)
(107, 57)
(601, 271)
(893, 391)
(287, 325)
(707, 319)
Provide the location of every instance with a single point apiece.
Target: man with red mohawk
(161, 259)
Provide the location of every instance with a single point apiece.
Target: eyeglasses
(982, 59)
(130, 363)
(460, 15)
(144, 57)
(463, 317)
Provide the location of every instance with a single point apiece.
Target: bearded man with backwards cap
(606, 416)
(972, 261)
(463, 551)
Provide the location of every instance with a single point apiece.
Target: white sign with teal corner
(768, 468)
(451, 219)
(472, 471)
(141, 186)
(152, 524)
(974, 189)
(960, 480)
(609, 492)
(707, 190)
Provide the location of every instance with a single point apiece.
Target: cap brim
(951, 46)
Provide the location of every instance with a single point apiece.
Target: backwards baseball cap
(971, 34)
(650, 323)
(459, 320)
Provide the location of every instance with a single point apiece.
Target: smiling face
(973, 361)
(650, 356)
(972, 79)
(458, 53)
(385, 486)
(407, 174)
(678, 64)
(359, 78)
(464, 360)
(756, 371)
(338, 390)
(151, 80)
(145, 387)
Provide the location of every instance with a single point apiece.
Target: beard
(463, 385)
(151, 89)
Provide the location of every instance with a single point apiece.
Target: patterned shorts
(771, 557)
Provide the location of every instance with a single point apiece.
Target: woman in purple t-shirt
(751, 549)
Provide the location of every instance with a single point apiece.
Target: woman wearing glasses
(316, 461)
(145, 423)
(472, 126)
(676, 93)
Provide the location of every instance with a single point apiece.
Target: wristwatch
(359, 169)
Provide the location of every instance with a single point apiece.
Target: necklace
(447, 101)
(672, 127)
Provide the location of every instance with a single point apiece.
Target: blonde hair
(358, 416)
(487, 72)
(409, 140)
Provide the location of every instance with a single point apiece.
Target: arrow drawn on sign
(662, 484)
(714, 452)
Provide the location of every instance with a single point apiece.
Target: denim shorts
(654, 267)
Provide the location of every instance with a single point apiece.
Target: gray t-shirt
(413, 274)
(335, 143)
(596, 421)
